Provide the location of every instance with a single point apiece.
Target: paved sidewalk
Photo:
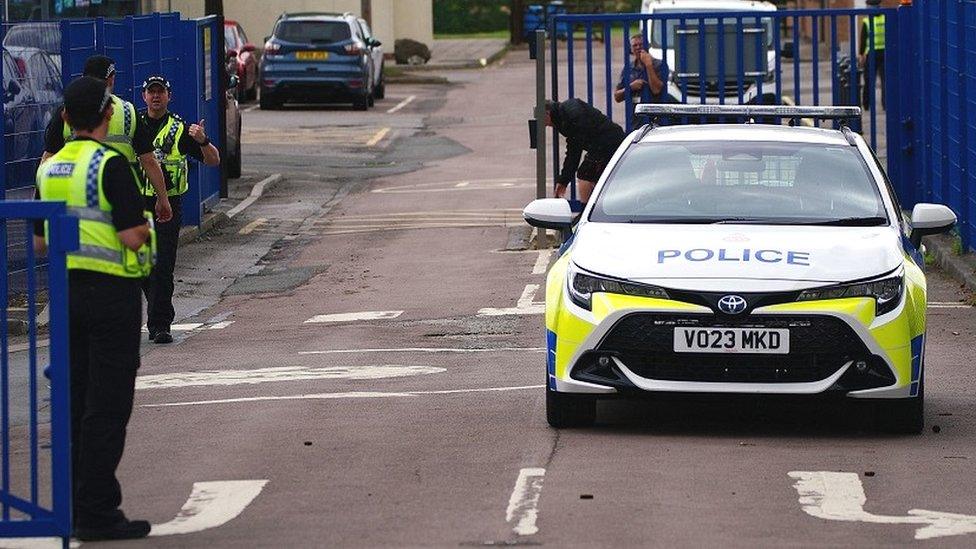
(460, 53)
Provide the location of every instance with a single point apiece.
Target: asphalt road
(365, 368)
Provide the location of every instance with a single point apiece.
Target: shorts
(592, 167)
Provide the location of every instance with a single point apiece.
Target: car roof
(321, 16)
(745, 132)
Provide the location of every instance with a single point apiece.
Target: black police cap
(85, 99)
(99, 66)
(156, 80)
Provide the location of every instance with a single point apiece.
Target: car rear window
(313, 31)
(712, 181)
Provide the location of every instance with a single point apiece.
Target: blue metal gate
(35, 426)
(806, 57)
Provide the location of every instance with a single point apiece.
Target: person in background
(871, 59)
(588, 130)
(173, 141)
(125, 134)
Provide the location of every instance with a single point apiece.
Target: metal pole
(540, 126)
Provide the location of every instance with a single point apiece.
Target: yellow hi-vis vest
(121, 129)
(877, 23)
(74, 176)
(167, 145)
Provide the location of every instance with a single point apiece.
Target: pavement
(342, 377)
(462, 53)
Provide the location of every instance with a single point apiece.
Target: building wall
(391, 19)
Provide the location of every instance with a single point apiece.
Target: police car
(739, 258)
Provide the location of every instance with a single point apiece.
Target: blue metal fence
(943, 116)
(35, 475)
(140, 46)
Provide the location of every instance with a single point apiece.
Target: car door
(375, 51)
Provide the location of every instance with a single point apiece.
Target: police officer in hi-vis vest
(126, 134)
(105, 306)
(173, 141)
(871, 56)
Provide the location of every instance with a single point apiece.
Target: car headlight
(582, 286)
(886, 293)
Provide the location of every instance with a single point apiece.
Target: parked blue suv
(317, 57)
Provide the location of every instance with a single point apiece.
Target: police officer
(871, 58)
(105, 308)
(173, 141)
(125, 133)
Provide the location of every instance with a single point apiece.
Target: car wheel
(252, 93)
(902, 416)
(234, 162)
(371, 99)
(361, 103)
(380, 91)
(568, 410)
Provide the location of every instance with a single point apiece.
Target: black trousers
(105, 316)
(867, 91)
(158, 287)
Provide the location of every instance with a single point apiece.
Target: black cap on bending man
(100, 66)
(85, 102)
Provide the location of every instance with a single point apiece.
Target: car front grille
(819, 346)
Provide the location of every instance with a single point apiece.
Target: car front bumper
(625, 346)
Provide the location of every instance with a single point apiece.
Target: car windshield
(43, 36)
(691, 24)
(230, 38)
(741, 182)
(313, 31)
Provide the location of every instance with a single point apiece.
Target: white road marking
(425, 350)
(250, 227)
(462, 184)
(191, 326)
(948, 305)
(211, 504)
(352, 317)
(401, 104)
(344, 395)
(377, 137)
(448, 186)
(524, 306)
(840, 496)
(210, 378)
(255, 194)
(523, 505)
(542, 262)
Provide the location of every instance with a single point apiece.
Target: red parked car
(239, 48)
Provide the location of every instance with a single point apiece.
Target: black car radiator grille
(819, 346)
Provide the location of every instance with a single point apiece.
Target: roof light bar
(749, 110)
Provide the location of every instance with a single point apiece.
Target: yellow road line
(376, 138)
(250, 227)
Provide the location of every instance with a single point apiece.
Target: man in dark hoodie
(585, 129)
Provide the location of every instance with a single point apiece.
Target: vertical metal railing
(38, 503)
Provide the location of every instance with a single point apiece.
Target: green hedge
(473, 16)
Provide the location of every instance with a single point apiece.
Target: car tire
(234, 162)
(568, 410)
(380, 91)
(904, 416)
(372, 100)
(361, 103)
(252, 93)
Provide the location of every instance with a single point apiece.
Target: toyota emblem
(732, 304)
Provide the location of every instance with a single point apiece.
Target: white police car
(739, 258)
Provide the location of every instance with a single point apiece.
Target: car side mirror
(786, 50)
(930, 219)
(374, 43)
(233, 82)
(249, 47)
(549, 213)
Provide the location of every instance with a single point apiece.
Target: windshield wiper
(872, 221)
